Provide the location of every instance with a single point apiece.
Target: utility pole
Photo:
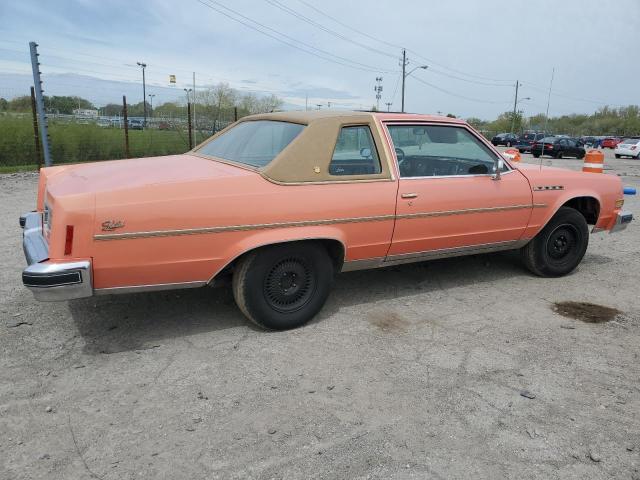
(44, 129)
(306, 101)
(144, 92)
(378, 90)
(515, 103)
(404, 75)
(388, 104)
(319, 105)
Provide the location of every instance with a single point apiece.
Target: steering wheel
(399, 154)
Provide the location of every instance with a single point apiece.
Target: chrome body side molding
(148, 288)
(433, 255)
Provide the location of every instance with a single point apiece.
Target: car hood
(110, 176)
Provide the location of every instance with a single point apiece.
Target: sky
(310, 52)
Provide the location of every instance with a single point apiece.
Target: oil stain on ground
(388, 321)
(586, 312)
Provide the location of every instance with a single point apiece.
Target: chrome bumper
(623, 219)
(51, 281)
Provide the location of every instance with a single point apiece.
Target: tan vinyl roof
(308, 116)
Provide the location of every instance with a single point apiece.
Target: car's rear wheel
(558, 155)
(559, 246)
(618, 155)
(283, 286)
(536, 155)
(580, 155)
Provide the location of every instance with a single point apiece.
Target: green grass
(73, 143)
(17, 168)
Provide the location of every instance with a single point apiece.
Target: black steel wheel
(283, 286)
(560, 246)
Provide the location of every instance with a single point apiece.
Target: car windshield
(632, 141)
(253, 143)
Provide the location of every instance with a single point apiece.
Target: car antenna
(546, 116)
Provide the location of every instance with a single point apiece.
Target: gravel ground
(458, 368)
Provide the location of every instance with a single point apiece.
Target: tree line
(621, 121)
(218, 102)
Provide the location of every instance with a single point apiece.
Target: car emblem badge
(110, 225)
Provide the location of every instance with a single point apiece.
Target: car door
(447, 197)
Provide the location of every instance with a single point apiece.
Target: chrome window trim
(466, 126)
(456, 176)
(371, 139)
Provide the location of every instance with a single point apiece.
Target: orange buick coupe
(278, 204)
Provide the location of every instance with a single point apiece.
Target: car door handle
(409, 195)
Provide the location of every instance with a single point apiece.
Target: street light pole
(388, 104)
(144, 91)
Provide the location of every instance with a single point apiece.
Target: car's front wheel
(559, 246)
(283, 286)
(618, 155)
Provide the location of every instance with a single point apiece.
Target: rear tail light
(548, 145)
(68, 242)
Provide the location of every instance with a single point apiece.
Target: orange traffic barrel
(512, 154)
(593, 162)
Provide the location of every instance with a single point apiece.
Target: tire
(559, 247)
(536, 155)
(508, 144)
(558, 155)
(580, 156)
(618, 155)
(638, 156)
(307, 272)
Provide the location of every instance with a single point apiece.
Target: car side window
(563, 142)
(437, 150)
(355, 153)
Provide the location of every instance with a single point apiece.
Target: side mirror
(365, 152)
(497, 168)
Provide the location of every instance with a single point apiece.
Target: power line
(400, 47)
(290, 41)
(302, 17)
(457, 95)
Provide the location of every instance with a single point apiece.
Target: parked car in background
(136, 124)
(506, 139)
(629, 147)
(278, 204)
(610, 142)
(103, 123)
(558, 147)
(588, 141)
(526, 140)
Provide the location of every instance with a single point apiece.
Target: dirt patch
(388, 321)
(586, 312)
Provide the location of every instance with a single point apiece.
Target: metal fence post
(44, 129)
(235, 114)
(189, 125)
(36, 139)
(127, 154)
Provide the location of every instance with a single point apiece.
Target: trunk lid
(113, 175)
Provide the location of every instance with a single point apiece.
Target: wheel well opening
(334, 248)
(589, 207)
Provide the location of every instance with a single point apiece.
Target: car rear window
(549, 139)
(255, 143)
(631, 141)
